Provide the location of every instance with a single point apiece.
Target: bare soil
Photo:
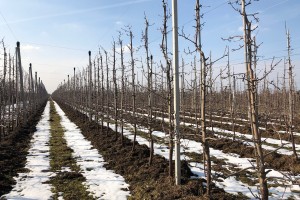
(13, 152)
(146, 181)
(273, 160)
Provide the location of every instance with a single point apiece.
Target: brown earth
(273, 160)
(146, 181)
(269, 133)
(13, 152)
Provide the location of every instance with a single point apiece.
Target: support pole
(23, 100)
(176, 93)
(90, 88)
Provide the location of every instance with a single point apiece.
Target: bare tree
(291, 94)
(252, 94)
(115, 90)
(102, 93)
(149, 60)
(107, 91)
(132, 63)
(123, 87)
(164, 49)
(198, 46)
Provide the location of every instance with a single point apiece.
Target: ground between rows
(13, 151)
(146, 182)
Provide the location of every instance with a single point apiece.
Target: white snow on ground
(31, 185)
(217, 130)
(272, 141)
(182, 116)
(103, 183)
(230, 184)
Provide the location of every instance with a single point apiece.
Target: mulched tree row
(13, 151)
(146, 181)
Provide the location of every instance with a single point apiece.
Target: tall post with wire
(176, 93)
(20, 69)
(90, 88)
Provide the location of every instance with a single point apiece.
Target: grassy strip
(68, 184)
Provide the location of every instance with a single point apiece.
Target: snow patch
(32, 185)
(103, 183)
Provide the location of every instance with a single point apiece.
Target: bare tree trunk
(196, 98)
(97, 91)
(3, 105)
(222, 110)
(231, 97)
(102, 94)
(17, 113)
(164, 48)
(233, 116)
(115, 91)
(150, 110)
(14, 95)
(30, 89)
(150, 90)
(211, 99)
(162, 91)
(107, 93)
(10, 98)
(68, 90)
(123, 90)
(36, 91)
(284, 86)
(74, 89)
(291, 95)
(252, 106)
(133, 89)
(182, 101)
(206, 154)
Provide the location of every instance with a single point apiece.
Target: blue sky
(56, 35)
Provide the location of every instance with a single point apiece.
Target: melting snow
(230, 184)
(103, 183)
(32, 185)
